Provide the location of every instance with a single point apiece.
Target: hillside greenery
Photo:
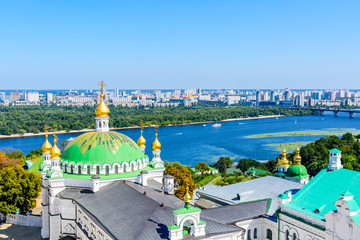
(32, 119)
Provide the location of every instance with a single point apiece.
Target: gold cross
(141, 125)
(156, 127)
(54, 133)
(102, 84)
(46, 128)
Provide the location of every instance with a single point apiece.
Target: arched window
(139, 165)
(65, 167)
(124, 167)
(107, 170)
(287, 235)
(97, 170)
(249, 235)
(116, 169)
(268, 234)
(99, 124)
(132, 167)
(79, 169)
(255, 233)
(88, 170)
(71, 168)
(294, 236)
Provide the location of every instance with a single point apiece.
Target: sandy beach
(131, 127)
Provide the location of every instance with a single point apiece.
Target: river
(191, 144)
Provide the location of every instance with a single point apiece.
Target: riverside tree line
(32, 119)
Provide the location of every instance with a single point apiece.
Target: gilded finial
(102, 110)
(102, 84)
(141, 141)
(55, 151)
(46, 147)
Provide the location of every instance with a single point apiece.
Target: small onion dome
(102, 110)
(55, 151)
(141, 141)
(46, 147)
(187, 197)
(156, 145)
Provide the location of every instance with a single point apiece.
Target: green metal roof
(186, 210)
(324, 190)
(283, 196)
(102, 147)
(256, 170)
(297, 171)
(279, 174)
(36, 165)
(335, 150)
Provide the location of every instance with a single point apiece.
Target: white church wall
(345, 226)
(302, 230)
(257, 228)
(24, 220)
(67, 209)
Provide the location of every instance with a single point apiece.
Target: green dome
(102, 147)
(297, 171)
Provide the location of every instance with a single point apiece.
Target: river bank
(133, 127)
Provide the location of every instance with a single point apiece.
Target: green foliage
(21, 119)
(182, 176)
(202, 167)
(18, 189)
(34, 153)
(17, 154)
(204, 179)
(223, 163)
(245, 164)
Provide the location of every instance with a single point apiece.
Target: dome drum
(104, 169)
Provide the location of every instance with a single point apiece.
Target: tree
(223, 163)
(6, 162)
(182, 175)
(202, 167)
(35, 153)
(18, 189)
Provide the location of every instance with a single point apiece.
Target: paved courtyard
(16, 232)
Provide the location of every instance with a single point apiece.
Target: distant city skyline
(180, 44)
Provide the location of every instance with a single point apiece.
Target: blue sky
(179, 44)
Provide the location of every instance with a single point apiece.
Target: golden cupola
(46, 147)
(297, 158)
(55, 151)
(284, 162)
(102, 110)
(156, 145)
(141, 141)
